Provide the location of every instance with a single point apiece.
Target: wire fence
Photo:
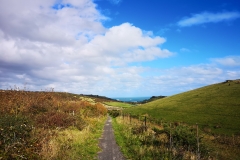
(197, 130)
(201, 125)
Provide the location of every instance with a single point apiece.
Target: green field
(119, 104)
(216, 107)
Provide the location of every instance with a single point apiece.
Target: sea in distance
(131, 99)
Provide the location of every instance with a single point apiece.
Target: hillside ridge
(213, 105)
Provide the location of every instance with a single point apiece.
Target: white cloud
(181, 79)
(228, 61)
(233, 74)
(38, 21)
(207, 17)
(65, 46)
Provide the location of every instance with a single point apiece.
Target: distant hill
(153, 98)
(99, 98)
(216, 107)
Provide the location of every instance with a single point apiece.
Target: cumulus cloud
(208, 17)
(65, 46)
(39, 21)
(124, 43)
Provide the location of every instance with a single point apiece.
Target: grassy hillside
(216, 107)
(119, 104)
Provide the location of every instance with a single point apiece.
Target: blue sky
(118, 48)
(202, 39)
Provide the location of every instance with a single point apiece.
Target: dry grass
(47, 125)
(74, 144)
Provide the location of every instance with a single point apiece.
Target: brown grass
(30, 122)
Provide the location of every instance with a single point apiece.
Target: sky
(118, 48)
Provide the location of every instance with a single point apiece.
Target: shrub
(29, 121)
(114, 113)
(55, 119)
(183, 136)
(15, 137)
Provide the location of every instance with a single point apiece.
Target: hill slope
(215, 106)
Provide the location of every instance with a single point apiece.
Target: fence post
(130, 118)
(198, 153)
(145, 123)
(233, 140)
(170, 138)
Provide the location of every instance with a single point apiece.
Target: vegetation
(71, 143)
(119, 104)
(157, 142)
(49, 125)
(98, 98)
(216, 108)
(153, 98)
(141, 139)
(54, 125)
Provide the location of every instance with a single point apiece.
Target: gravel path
(110, 149)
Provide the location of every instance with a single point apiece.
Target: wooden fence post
(145, 123)
(233, 140)
(198, 153)
(170, 138)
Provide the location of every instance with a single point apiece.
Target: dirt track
(110, 149)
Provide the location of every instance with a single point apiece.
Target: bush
(30, 121)
(114, 113)
(183, 136)
(15, 137)
(55, 119)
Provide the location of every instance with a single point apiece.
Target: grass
(121, 133)
(153, 142)
(119, 104)
(49, 125)
(147, 144)
(74, 144)
(216, 107)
